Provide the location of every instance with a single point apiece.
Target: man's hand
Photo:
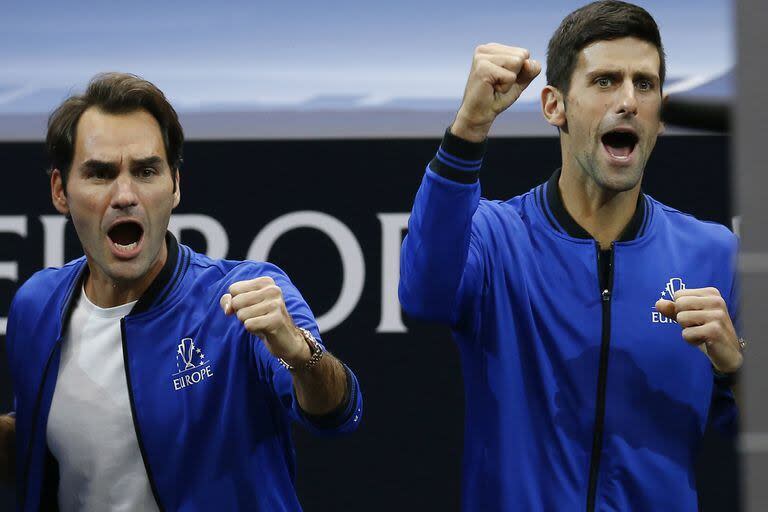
(498, 76)
(259, 305)
(703, 315)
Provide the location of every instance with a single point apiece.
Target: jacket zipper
(35, 428)
(142, 450)
(606, 287)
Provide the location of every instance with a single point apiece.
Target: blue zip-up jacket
(213, 428)
(579, 395)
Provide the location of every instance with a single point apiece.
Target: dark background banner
(356, 193)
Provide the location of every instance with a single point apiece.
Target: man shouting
(147, 376)
(594, 324)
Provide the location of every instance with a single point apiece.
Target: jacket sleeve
(441, 266)
(723, 413)
(347, 416)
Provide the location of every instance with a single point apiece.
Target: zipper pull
(606, 295)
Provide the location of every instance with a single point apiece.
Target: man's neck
(106, 292)
(602, 213)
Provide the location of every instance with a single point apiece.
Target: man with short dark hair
(147, 376)
(572, 304)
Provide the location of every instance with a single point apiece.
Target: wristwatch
(316, 350)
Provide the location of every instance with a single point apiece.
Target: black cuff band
(458, 159)
(463, 148)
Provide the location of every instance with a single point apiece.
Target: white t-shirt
(90, 426)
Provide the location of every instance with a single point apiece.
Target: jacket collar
(562, 221)
(174, 268)
(165, 281)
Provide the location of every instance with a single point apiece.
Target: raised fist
(498, 76)
(259, 306)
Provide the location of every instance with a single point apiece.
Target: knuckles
(258, 305)
(266, 307)
(691, 303)
(697, 334)
(258, 283)
(255, 296)
(483, 48)
(713, 291)
(273, 290)
(251, 325)
(684, 319)
(257, 324)
(682, 304)
(719, 302)
(489, 47)
(483, 66)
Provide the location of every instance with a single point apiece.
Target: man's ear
(553, 106)
(58, 193)
(177, 192)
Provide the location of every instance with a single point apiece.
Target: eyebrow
(98, 165)
(101, 165)
(150, 161)
(613, 73)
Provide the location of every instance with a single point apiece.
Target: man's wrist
(471, 132)
(303, 351)
(311, 355)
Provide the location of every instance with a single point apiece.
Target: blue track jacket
(214, 426)
(579, 395)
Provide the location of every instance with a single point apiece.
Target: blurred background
(302, 69)
(320, 117)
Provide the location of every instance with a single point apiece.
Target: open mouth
(620, 144)
(126, 236)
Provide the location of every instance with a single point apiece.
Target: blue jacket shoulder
(47, 282)
(705, 235)
(489, 209)
(236, 270)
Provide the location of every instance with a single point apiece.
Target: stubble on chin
(618, 184)
(612, 181)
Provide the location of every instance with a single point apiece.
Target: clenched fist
(259, 305)
(498, 76)
(703, 315)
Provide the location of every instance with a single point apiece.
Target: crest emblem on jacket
(191, 365)
(675, 284)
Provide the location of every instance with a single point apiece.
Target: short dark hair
(113, 93)
(603, 20)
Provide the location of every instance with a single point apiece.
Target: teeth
(126, 247)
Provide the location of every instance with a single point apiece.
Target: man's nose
(124, 193)
(627, 101)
